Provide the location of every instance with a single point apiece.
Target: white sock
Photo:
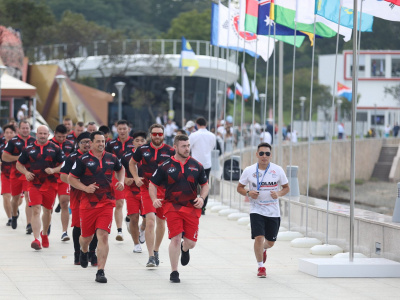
(260, 264)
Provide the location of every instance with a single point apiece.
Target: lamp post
(120, 86)
(302, 100)
(339, 104)
(170, 90)
(262, 97)
(60, 79)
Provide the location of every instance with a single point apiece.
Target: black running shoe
(83, 258)
(174, 277)
(185, 256)
(76, 259)
(29, 229)
(8, 222)
(93, 259)
(156, 258)
(14, 222)
(100, 277)
(151, 263)
(58, 208)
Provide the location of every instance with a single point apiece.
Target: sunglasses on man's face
(261, 153)
(157, 133)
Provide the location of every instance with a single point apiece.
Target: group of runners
(93, 176)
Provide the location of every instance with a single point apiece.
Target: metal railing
(123, 47)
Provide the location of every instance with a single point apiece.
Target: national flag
(330, 10)
(188, 57)
(229, 93)
(254, 90)
(396, 2)
(239, 89)
(224, 20)
(266, 26)
(248, 15)
(284, 13)
(378, 8)
(245, 83)
(344, 91)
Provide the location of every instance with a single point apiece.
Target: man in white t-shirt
(264, 180)
(202, 142)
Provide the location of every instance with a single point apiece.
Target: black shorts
(264, 226)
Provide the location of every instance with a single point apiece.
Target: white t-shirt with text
(264, 205)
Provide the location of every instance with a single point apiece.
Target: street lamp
(339, 104)
(170, 90)
(60, 79)
(120, 86)
(302, 100)
(262, 97)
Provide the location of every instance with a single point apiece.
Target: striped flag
(344, 91)
(245, 83)
(395, 2)
(188, 57)
(248, 15)
(254, 90)
(380, 9)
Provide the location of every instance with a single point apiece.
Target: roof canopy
(13, 87)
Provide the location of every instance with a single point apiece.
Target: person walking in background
(264, 179)
(265, 136)
(396, 128)
(387, 131)
(202, 142)
(340, 131)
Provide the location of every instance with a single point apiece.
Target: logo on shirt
(193, 169)
(171, 170)
(109, 162)
(50, 150)
(116, 147)
(32, 151)
(18, 143)
(165, 155)
(255, 175)
(146, 154)
(91, 163)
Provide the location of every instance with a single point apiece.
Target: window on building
(377, 67)
(396, 67)
(377, 120)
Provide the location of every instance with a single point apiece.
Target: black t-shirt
(14, 147)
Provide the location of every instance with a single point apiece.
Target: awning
(13, 87)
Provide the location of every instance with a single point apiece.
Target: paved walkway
(222, 266)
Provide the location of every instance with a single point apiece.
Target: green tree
(192, 25)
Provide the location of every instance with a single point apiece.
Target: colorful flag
(330, 10)
(284, 13)
(305, 11)
(225, 23)
(248, 15)
(396, 2)
(245, 83)
(344, 91)
(266, 26)
(188, 58)
(254, 90)
(239, 89)
(229, 93)
(378, 8)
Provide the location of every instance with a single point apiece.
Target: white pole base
(244, 221)
(326, 249)
(282, 229)
(347, 255)
(305, 242)
(236, 216)
(288, 235)
(228, 211)
(211, 204)
(217, 208)
(249, 226)
(343, 268)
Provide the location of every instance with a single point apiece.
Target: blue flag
(330, 10)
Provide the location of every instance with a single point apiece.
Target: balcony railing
(123, 47)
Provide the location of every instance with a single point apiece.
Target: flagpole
(209, 90)
(242, 115)
(253, 131)
(273, 101)
(353, 134)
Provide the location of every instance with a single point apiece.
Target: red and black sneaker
(45, 240)
(36, 245)
(265, 256)
(261, 272)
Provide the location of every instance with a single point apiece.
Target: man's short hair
(264, 145)
(181, 131)
(24, 122)
(9, 126)
(67, 119)
(105, 129)
(80, 124)
(180, 138)
(201, 121)
(61, 129)
(94, 133)
(91, 123)
(123, 122)
(156, 126)
(139, 133)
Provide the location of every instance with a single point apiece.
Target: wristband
(201, 198)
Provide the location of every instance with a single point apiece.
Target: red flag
(396, 2)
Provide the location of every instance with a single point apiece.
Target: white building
(377, 70)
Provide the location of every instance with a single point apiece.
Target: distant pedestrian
(340, 131)
(264, 179)
(396, 129)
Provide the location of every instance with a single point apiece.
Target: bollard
(396, 212)
(214, 160)
(291, 173)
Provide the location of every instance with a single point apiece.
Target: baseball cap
(189, 124)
